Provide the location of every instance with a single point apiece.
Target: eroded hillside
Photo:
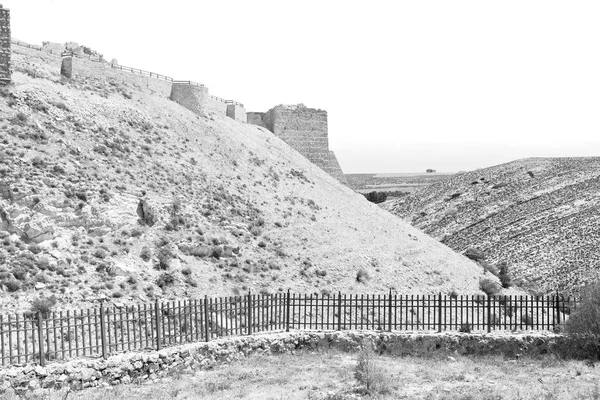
(539, 214)
(111, 191)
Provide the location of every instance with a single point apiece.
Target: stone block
(66, 68)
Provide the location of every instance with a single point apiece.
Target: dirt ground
(329, 375)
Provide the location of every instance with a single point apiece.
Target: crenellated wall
(305, 130)
(5, 73)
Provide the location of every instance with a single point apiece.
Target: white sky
(408, 85)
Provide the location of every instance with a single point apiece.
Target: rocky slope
(538, 214)
(111, 191)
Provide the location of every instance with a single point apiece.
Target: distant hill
(392, 182)
(541, 215)
(109, 190)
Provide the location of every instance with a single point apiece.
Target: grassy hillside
(108, 190)
(538, 214)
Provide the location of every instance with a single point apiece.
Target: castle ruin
(4, 45)
(305, 130)
(195, 97)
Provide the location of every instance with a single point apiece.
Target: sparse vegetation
(489, 286)
(370, 373)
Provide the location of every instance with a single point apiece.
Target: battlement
(305, 130)
(5, 74)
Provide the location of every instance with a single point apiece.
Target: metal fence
(106, 330)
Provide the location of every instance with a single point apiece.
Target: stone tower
(305, 130)
(4, 45)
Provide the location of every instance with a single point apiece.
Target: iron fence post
(102, 330)
(339, 311)
(557, 310)
(287, 312)
(158, 317)
(390, 312)
(249, 313)
(41, 339)
(489, 313)
(440, 312)
(206, 320)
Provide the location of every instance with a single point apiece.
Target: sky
(408, 85)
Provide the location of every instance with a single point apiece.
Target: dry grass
(330, 375)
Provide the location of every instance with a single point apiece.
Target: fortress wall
(152, 85)
(305, 130)
(334, 169)
(256, 118)
(190, 96)
(4, 45)
(214, 105)
(236, 112)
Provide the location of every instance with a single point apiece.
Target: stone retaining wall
(5, 66)
(151, 365)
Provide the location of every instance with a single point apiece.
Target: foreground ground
(330, 375)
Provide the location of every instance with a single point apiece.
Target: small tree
(586, 317)
(504, 275)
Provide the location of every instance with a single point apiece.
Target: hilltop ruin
(305, 130)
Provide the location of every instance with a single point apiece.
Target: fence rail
(106, 330)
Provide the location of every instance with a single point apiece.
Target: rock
(34, 384)
(40, 286)
(147, 213)
(87, 374)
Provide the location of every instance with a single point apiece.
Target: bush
(504, 275)
(164, 259)
(376, 197)
(362, 276)
(164, 280)
(145, 254)
(474, 254)
(465, 328)
(585, 318)
(12, 285)
(43, 305)
(489, 287)
(369, 373)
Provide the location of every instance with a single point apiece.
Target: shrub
(376, 197)
(474, 254)
(465, 328)
(362, 276)
(369, 373)
(586, 317)
(504, 275)
(489, 287)
(164, 259)
(12, 285)
(164, 280)
(145, 254)
(43, 305)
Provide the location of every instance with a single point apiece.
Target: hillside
(108, 190)
(538, 214)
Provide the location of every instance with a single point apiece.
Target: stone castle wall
(196, 98)
(4, 45)
(305, 130)
(236, 112)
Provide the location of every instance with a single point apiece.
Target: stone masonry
(4, 45)
(30, 380)
(305, 130)
(195, 97)
(66, 68)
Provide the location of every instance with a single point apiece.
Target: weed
(43, 305)
(369, 372)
